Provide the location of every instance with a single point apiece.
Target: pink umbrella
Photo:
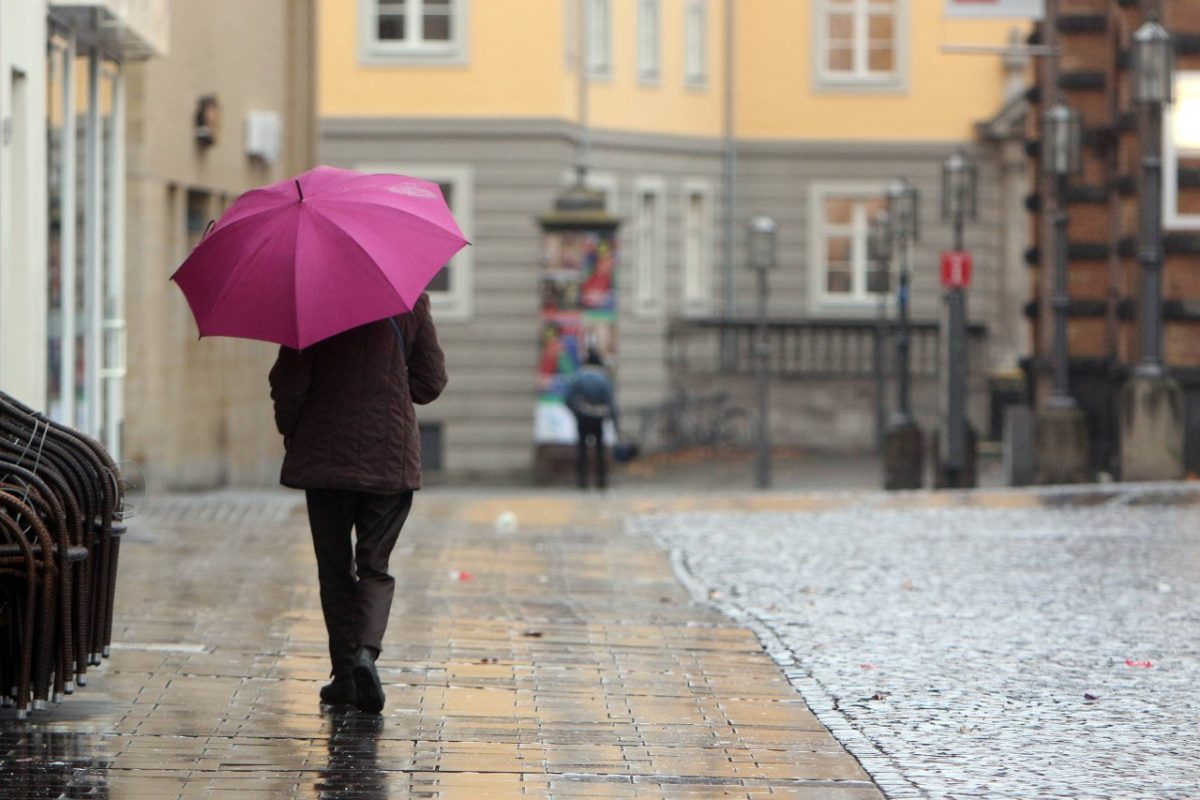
(303, 259)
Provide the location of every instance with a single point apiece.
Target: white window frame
(413, 50)
(1171, 154)
(649, 248)
(695, 44)
(860, 78)
(649, 41)
(457, 304)
(858, 299)
(598, 16)
(697, 285)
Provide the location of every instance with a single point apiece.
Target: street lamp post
(902, 210)
(1151, 436)
(959, 204)
(1062, 156)
(1153, 88)
(761, 241)
(1060, 430)
(879, 252)
(903, 450)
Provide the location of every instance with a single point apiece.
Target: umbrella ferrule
(299, 191)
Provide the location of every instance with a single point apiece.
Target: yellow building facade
(518, 62)
(695, 116)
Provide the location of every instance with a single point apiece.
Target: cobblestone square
(1006, 644)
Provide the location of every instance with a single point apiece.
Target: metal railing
(807, 348)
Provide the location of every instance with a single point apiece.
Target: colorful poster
(579, 312)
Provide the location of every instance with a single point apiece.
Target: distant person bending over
(345, 409)
(590, 398)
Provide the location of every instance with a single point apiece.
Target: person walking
(590, 398)
(345, 408)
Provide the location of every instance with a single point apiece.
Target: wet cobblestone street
(1018, 644)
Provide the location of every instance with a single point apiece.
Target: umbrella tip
(299, 191)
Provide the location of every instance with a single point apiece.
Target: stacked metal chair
(60, 526)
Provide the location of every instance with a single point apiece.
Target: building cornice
(334, 128)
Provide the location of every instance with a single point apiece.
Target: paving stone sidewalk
(562, 660)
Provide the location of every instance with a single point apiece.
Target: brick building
(1094, 77)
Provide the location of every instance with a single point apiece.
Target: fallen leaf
(1142, 664)
(1091, 698)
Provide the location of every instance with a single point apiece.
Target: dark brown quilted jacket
(345, 405)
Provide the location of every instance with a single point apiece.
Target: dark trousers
(356, 589)
(591, 430)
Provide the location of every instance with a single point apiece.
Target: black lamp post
(904, 453)
(1062, 157)
(1153, 88)
(902, 212)
(1151, 402)
(879, 252)
(960, 182)
(960, 194)
(761, 243)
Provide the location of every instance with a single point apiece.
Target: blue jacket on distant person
(590, 393)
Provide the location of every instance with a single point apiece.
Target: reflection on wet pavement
(560, 660)
(352, 764)
(36, 764)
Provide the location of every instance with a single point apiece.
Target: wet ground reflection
(37, 764)
(352, 768)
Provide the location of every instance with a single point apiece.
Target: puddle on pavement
(1167, 498)
(37, 763)
(1011, 499)
(1076, 499)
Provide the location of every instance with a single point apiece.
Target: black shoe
(339, 692)
(366, 681)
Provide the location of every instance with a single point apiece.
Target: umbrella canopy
(303, 259)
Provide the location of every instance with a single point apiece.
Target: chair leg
(44, 658)
(64, 682)
(82, 610)
(99, 609)
(112, 595)
(26, 647)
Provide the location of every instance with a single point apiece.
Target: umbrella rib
(237, 223)
(219, 233)
(239, 268)
(316, 213)
(358, 246)
(433, 226)
(295, 285)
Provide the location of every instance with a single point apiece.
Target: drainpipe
(584, 154)
(729, 180)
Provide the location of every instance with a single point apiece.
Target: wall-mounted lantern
(207, 121)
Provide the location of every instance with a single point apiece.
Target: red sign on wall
(956, 269)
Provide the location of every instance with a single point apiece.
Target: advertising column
(578, 287)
